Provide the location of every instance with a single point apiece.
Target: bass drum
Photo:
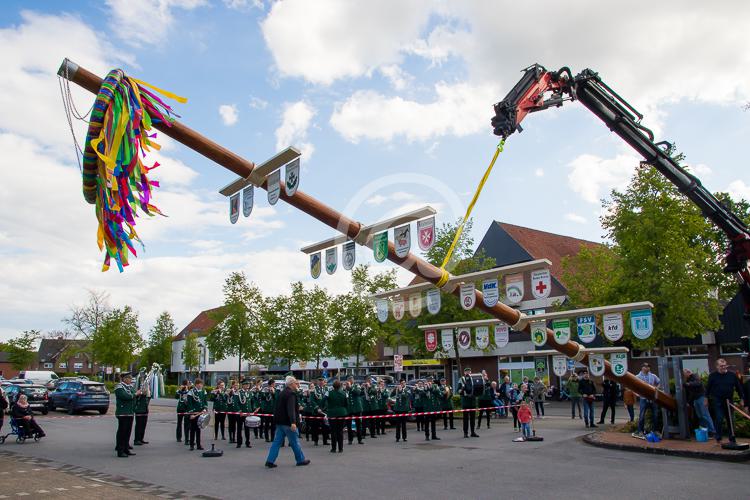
(477, 384)
(252, 421)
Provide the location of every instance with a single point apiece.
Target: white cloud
(398, 78)
(575, 218)
(458, 109)
(700, 170)
(257, 103)
(295, 121)
(229, 114)
(243, 4)
(376, 200)
(146, 22)
(539, 172)
(739, 190)
(593, 177)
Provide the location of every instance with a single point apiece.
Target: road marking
(78, 487)
(22, 494)
(96, 479)
(61, 489)
(42, 491)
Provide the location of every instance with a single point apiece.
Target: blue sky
(390, 102)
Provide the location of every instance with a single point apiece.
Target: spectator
(515, 397)
(539, 391)
(588, 392)
(645, 403)
(497, 401)
(574, 394)
(609, 399)
(696, 397)
(285, 416)
(505, 395)
(524, 417)
(628, 399)
(3, 407)
(721, 386)
(526, 387)
(24, 417)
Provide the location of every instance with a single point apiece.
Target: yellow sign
(421, 362)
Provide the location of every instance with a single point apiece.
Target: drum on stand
(477, 384)
(252, 421)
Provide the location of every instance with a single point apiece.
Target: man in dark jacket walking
(721, 386)
(609, 399)
(285, 417)
(588, 392)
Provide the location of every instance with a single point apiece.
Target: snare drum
(252, 421)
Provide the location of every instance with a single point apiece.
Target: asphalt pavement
(492, 466)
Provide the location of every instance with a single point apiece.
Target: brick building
(65, 356)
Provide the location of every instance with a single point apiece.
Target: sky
(390, 103)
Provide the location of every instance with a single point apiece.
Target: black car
(78, 395)
(37, 395)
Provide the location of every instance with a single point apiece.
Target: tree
(663, 250)
(86, 320)
(239, 323)
(191, 353)
(159, 344)
(287, 327)
(354, 324)
(22, 349)
(117, 339)
(463, 260)
(318, 340)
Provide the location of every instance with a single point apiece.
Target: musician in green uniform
(124, 411)
(241, 400)
(141, 416)
(320, 426)
(369, 407)
(484, 400)
(255, 402)
(446, 403)
(354, 393)
(432, 403)
(219, 397)
(420, 403)
(267, 406)
(196, 405)
(468, 402)
(382, 405)
(337, 406)
(231, 410)
(401, 405)
(183, 422)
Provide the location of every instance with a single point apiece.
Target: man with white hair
(285, 416)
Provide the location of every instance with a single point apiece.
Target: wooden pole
(349, 227)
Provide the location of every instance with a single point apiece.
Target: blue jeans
(588, 411)
(283, 431)
(575, 401)
(646, 404)
(500, 410)
(631, 412)
(720, 413)
(701, 412)
(526, 428)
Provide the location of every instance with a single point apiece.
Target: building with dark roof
(65, 356)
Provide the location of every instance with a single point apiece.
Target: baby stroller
(16, 430)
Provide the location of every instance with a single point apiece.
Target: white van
(39, 377)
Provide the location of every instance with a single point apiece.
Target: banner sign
(464, 338)
(596, 364)
(234, 207)
(426, 233)
(398, 308)
(430, 340)
(540, 366)
(539, 333)
(291, 182)
(612, 325)
(398, 363)
(315, 265)
(482, 336)
(642, 323)
(586, 329)
(274, 186)
(415, 304)
(332, 260)
(561, 327)
(380, 246)
(382, 308)
(433, 301)
(468, 297)
(502, 335)
(247, 200)
(446, 336)
(402, 240)
(490, 292)
(514, 288)
(619, 362)
(348, 257)
(559, 365)
(541, 283)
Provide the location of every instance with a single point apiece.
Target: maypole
(351, 229)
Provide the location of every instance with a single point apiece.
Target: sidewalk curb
(741, 456)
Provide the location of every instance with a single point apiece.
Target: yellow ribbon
(470, 208)
(163, 92)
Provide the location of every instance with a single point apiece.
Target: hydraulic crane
(540, 89)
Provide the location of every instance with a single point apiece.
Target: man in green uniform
(337, 406)
(382, 404)
(401, 405)
(124, 411)
(484, 400)
(420, 403)
(369, 407)
(354, 392)
(468, 402)
(432, 393)
(141, 417)
(196, 405)
(219, 397)
(183, 422)
(446, 403)
(231, 410)
(241, 400)
(255, 402)
(267, 406)
(318, 394)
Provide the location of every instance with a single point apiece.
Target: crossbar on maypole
(351, 228)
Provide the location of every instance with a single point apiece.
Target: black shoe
(199, 447)
(333, 450)
(466, 435)
(453, 428)
(122, 455)
(179, 441)
(360, 442)
(130, 453)
(137, 443)
(130, 447)
(587, 425)
(271, 465)
(248, 445)
(186, 443)
(600, 422)
(435, 437)
(475, 435)
(398, 440)
(341, 451)
(593, 425)
(192, 448)
(445, 428)
(427, 438)
(223, 438)
(239, 445)
(303, 463)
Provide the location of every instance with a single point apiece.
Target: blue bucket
(701, 435)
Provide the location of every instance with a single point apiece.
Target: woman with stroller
(24, 419)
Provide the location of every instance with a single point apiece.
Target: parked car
(56, 383)
(79, 395)
(36, 394)
(41, 377)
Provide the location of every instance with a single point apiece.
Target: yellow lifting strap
(470, 208)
